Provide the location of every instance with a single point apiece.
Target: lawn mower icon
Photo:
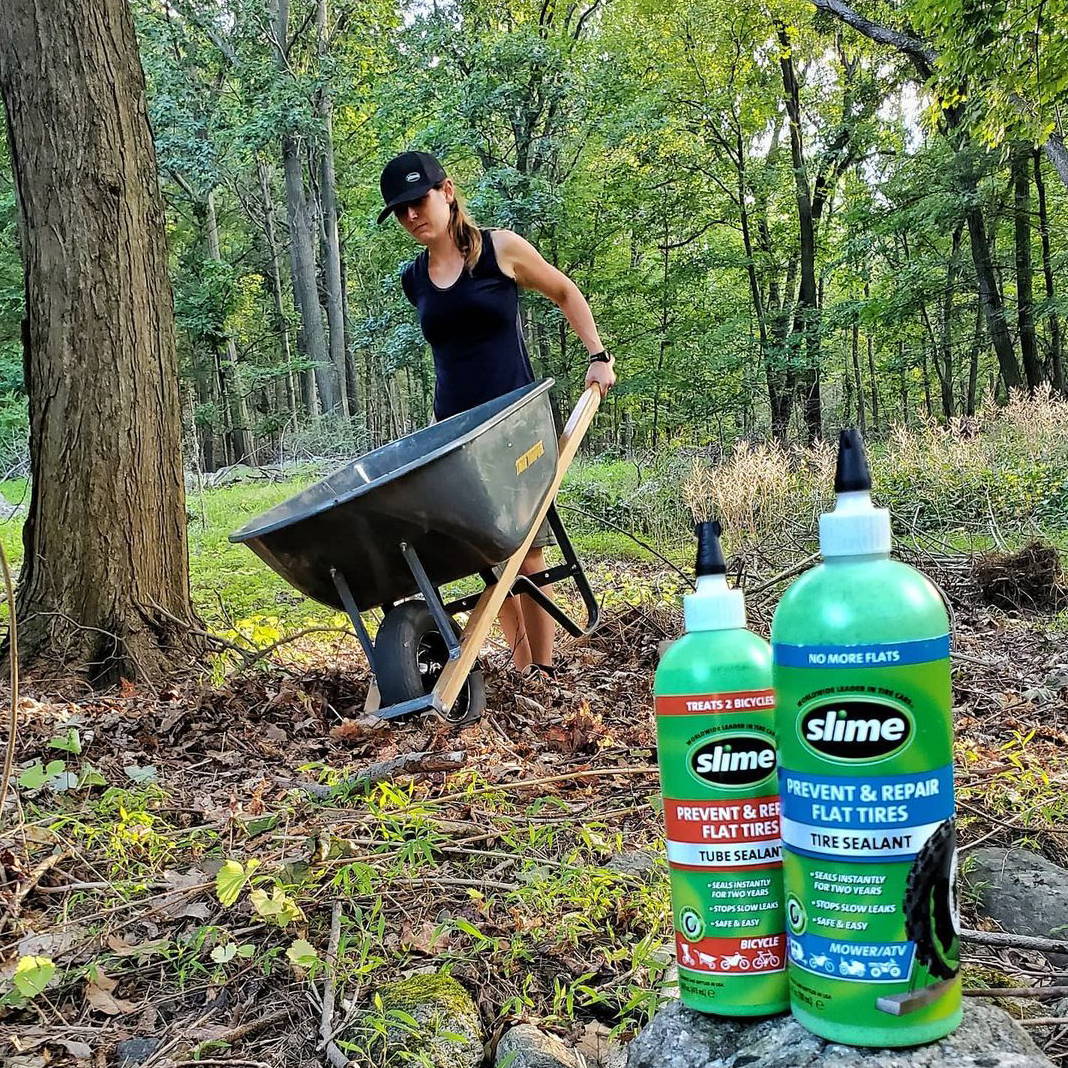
(854, 969)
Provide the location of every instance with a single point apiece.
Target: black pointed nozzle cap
(852, 473)
(709, 552)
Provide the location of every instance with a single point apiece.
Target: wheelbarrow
(387, 531)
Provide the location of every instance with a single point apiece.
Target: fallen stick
(504, 787)
(233, 1036)
(1017, 992)
(384, 770)
(31, 881)
(221, 1060)
(1014, 941)
(1044, 1021)
(326, 1020)
(794, 569)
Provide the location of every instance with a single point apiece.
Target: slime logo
(855, 729)
(734, 761)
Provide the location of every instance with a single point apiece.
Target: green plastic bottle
(716, 746)
(864, 726)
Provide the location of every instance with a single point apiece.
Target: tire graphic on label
(931, 904)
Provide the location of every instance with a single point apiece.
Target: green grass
(230, 584)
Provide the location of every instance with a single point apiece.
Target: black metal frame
(527, 585)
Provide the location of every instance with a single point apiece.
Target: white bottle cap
(715, 606)
(855, 527)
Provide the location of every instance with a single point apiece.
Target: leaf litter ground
(208, 862)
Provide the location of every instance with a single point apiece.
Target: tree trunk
(205, 434)
(990, 299)
(947, 372)
(274, 258)
(106, 565)
(335, 309)
(872, 380)
(973, 363)
(903, 382)
(352, 378)
(806, 320)
(1025, 318)
(1055, 354)
(858, 382)
(925, 367)
(311, 339)
(240, 426)
(665, 319)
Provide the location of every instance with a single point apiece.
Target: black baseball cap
(407, 177)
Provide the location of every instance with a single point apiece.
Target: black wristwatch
(600, 357)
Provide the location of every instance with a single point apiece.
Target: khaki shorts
(544, 537)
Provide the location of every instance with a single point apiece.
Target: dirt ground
(500, 871)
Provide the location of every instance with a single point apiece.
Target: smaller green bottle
(715, 712)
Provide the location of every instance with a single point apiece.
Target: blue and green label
(866, 782)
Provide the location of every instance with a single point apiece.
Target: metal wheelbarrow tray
(462, 497)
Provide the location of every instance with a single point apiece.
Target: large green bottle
(716, 746)
(862, 682)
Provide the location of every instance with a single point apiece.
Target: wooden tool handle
(452, 678)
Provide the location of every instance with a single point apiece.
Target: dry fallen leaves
(99, 992)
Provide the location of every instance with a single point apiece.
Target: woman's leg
(539, 626)
(514, 626)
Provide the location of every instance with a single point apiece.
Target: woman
(465, 286)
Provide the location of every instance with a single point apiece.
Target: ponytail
(465, 232)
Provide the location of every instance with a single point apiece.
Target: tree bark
(1056, 356)
(274, 265)
(335, 309)
(664, 341)
(240, 425)
(807, 312)
(311, 339)
(1025, 318)
(973, 363)
(990, 298)
(947, 372)
(106, 566)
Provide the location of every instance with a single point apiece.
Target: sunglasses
(401, 209)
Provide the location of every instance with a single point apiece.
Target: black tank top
(473, 330)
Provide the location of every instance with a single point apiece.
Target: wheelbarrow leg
(432, 598)
(452, 678)
(352, 611)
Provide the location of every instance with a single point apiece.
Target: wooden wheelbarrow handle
(452, 678)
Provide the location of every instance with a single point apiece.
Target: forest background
(782, 224)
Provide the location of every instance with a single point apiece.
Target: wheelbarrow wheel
(410, 654)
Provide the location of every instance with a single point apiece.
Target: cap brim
(407, 197)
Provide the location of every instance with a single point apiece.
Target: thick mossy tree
(105, 584)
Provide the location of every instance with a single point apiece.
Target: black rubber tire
(410, 655)
(931, 904)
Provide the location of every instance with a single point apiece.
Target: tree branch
(923, 58)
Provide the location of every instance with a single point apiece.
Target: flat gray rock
(642, 863)
(137, 1050)
(524, 1046)
(681, 1038)
(1023, 891)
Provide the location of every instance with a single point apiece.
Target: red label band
(713, 703)
(754, 819)
(752, 955)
